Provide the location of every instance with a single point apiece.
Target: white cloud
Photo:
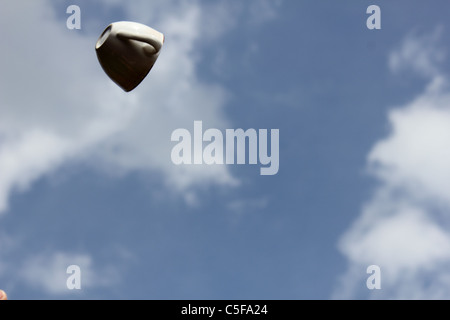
(48, 273)
(396, 234)
(420, 54)
(57, 105)
(417, 154)
(404, 228)
(24, 159)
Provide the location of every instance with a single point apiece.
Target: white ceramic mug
(127, 52)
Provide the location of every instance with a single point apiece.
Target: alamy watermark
(374, 280)
(213, 147)
(74, 20)
(372, 23)
(74, 280)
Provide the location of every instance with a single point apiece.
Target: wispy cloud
(264, 11)
(48, 272)
(421, 54)
(404, 228)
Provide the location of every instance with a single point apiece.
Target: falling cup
(127, 51)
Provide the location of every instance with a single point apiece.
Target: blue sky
(86, 176)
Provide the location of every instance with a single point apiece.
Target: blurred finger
(3, 295)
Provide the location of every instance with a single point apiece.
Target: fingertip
(3, 295)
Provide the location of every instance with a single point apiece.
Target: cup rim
(103, 37)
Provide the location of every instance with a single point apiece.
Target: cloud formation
(404, 228)
(58, 107)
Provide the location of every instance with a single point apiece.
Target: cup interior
(103, 37)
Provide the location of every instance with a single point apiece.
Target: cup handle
(151, 40)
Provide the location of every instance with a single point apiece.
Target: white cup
(127, 52)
